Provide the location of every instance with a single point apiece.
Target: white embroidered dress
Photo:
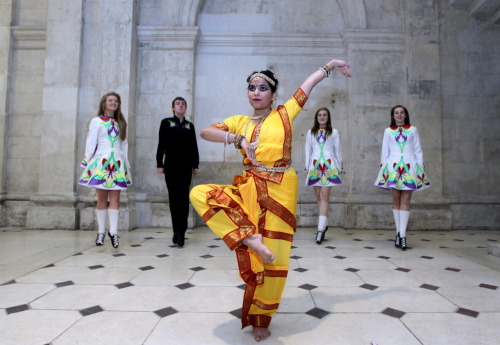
(105, 162)
(323, 159)
(402, 161)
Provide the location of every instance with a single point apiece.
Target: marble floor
(57, 287)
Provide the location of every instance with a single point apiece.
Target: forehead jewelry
(259, 75)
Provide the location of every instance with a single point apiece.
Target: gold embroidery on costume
(262, 321)
(275, 176)
(245, 266)
(300, 97)
(265, 306)
(221, 125)
(272, 205)
(276, 274)
(287, 143)
(219, 200)
(276, 235)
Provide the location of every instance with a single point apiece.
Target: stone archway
(353, 11)
(188, 12)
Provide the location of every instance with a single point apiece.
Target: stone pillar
(395, 68)
(423, 100)
(377, 59)
(54, 203)
(171, 51)
(5, 20)
(109, 63)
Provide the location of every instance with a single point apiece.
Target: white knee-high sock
(403, 222)
(396, 219)
(113, 221)
(322, 223)
(101, 220)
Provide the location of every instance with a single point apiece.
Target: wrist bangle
(326, 70)
(238, 138)
(226, 142)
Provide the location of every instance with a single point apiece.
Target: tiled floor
(57, 288)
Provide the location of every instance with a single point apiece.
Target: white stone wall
(58, 57)
(470, 70)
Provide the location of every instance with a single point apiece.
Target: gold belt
(263, 167)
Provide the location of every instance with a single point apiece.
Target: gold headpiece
(259, 75)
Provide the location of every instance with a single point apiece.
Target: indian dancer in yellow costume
(255, 215)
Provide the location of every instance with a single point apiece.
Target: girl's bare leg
(102, 199)
(114, 199)
(317, 192)
(405, 200)
(396, 199)
(324, 200)
(255, 243)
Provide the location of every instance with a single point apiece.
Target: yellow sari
(260, 201)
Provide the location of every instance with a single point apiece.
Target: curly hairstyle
(118, 115)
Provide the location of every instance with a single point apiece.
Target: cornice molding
(374, 40)
(271, 44)
(29, 38)
(168, 37)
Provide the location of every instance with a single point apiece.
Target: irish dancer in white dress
(323, 165)
(106, 164)
(401, 168)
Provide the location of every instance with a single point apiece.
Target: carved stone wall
(440, 59)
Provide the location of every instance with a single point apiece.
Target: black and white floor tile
(58, 288)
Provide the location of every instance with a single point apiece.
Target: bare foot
(260, 333)
(255, 243)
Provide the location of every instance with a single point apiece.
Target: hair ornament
(259, 75)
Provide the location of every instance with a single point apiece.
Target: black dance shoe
(319, 237)
(397, 242)
(99, 241)
(114, 240)
(403, 243)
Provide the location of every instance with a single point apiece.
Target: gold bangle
(326, 69)
(238, 138)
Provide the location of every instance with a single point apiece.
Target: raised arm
(323, 72)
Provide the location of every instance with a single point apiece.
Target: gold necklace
(257, 129)
(261, 116)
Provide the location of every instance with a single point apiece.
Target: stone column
(377, 58)
(398, 67)
(423, 101)
(54, 202)
(109, 63)
(167, 66)
(5, 20)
